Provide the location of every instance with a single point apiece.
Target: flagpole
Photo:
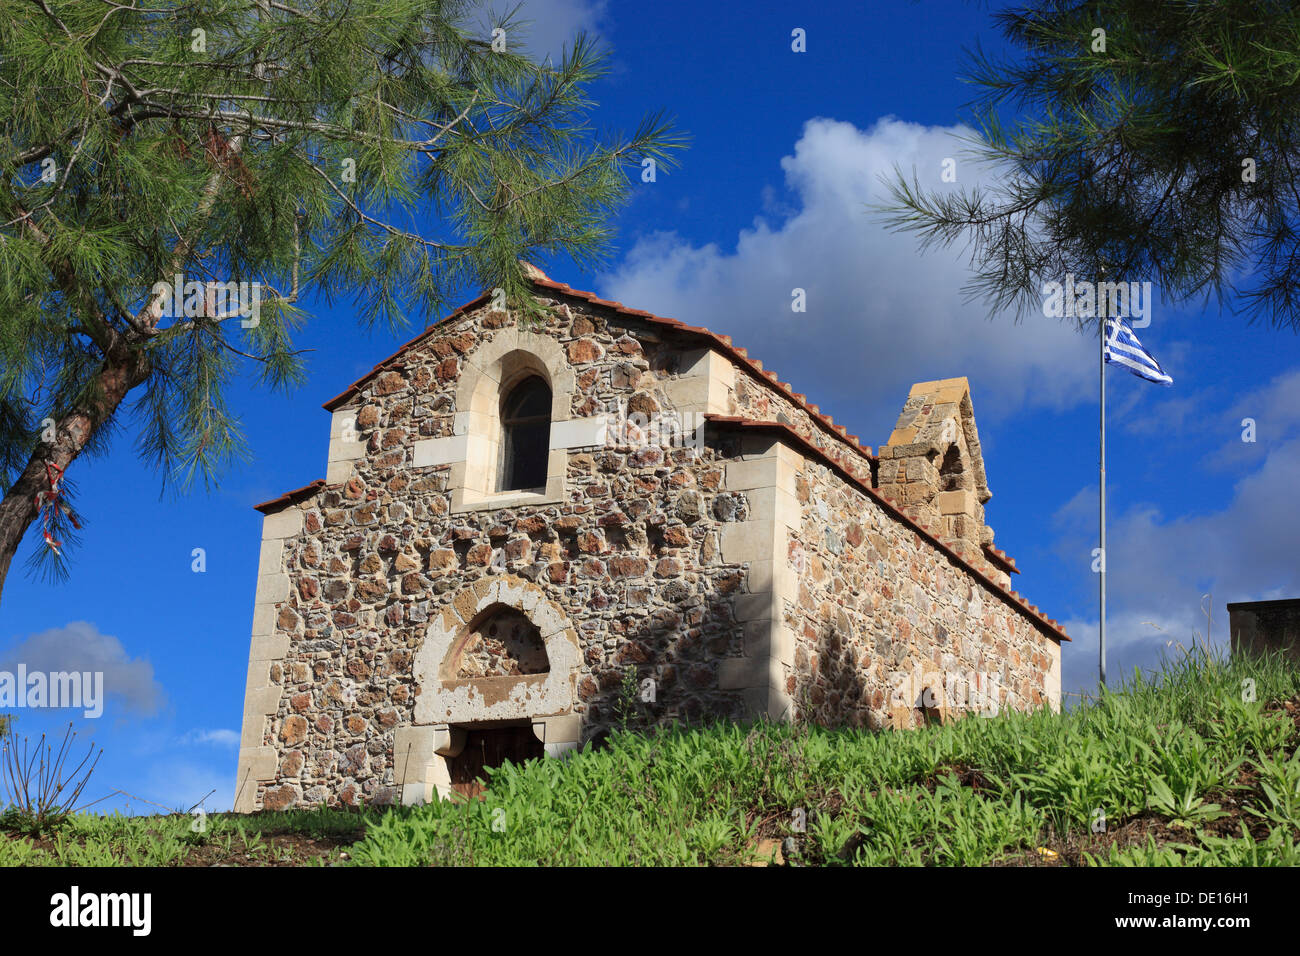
(1102, 566)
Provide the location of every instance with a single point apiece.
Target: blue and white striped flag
(1124, 349)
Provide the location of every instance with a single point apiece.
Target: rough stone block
(755, 607)
(252, 731)
(259, 763)
(747, 541)
(263, 619)
(346, 451)
(751, 474)
(343, 423)
(270, 558)
(262, 701)
(757, 639)
(956, 503)
(562, 729)
(740, 672)
(413, 752)
(272, 588)
(268, 647)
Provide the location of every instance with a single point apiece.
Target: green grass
(1183, 769)
(120, 840)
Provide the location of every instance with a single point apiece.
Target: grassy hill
(1195, 766)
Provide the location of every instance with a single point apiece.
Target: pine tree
(390, 151)
(1156, 140)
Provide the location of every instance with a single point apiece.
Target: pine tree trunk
(121, 372)
(125, 366)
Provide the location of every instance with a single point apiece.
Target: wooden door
(490, 747)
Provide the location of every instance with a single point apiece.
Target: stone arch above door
(447, 699)
(500, 642)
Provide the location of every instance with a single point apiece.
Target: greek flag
(1123, 349)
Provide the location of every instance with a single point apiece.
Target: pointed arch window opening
(525, 434)
(952, 470)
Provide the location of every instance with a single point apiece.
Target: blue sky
(786, 151)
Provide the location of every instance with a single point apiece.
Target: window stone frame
(474, 449)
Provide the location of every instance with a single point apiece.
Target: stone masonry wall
(653, 556)
(882, 614)
(632, 557)
(759, 401)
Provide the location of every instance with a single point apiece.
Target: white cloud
(180, 784)
(79, 646)
(1134, 639)
(550, 25)
(880, 314)
(216, 738)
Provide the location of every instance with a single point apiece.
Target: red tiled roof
(1047, 625)
(737, 354)
(1001, 559)
(289, 497)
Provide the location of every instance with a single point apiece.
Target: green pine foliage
(1131, 140)
(394, 154)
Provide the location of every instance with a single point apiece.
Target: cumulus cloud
(79, 646)
(880, 314)
(550, 25)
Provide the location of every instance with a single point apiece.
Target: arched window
(526, 435)
(951, 471)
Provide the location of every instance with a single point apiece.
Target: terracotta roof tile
(289, 497)
(1000, 558)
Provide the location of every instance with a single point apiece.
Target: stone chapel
(527, 527)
